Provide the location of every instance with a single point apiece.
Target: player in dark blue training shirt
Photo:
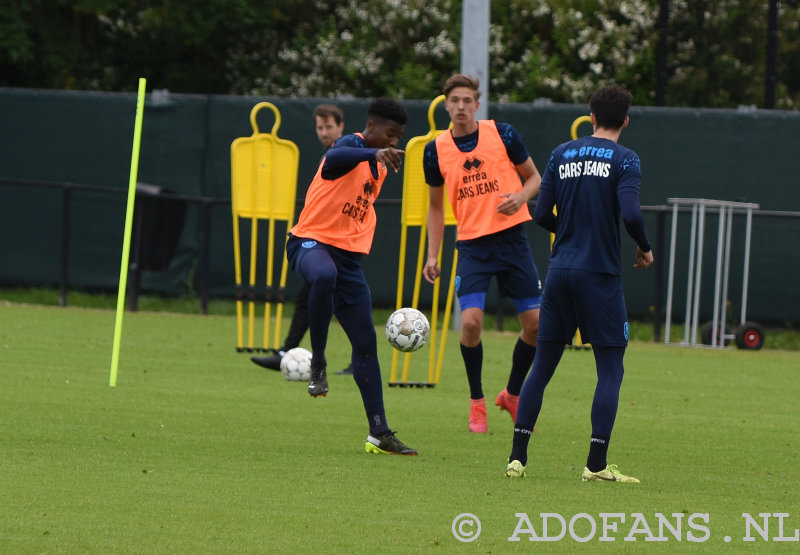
(591, 182)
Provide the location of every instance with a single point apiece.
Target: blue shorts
(351, 285)
(505, 255)
(592, 302)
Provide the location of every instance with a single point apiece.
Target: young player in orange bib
(489, 177)
(334, 230)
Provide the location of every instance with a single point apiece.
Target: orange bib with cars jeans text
(476, 179)
(340, 212)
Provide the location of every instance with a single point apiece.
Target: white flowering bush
(565, 50)
(556, 49)
(370, 48)
(561, 50)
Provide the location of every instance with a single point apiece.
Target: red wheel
(749, 336)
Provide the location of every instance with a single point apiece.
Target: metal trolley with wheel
(747, 335)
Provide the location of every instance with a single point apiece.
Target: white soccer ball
(407, 329)
(296, 365)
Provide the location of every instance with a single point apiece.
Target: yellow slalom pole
(126, 241)
(435, 315)
(401, 268)
(251, 293)
(423, 231)
(270, 269)
(237, 268)
(251, 302)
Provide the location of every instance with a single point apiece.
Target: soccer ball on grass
(407, 329)
(296, 365)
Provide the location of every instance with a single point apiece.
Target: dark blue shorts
(592, 302)
(351, 285)
(505, 255)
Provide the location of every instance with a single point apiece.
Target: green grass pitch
(197, 450)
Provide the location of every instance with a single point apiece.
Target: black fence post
(134, 264)
(66, 200)
(205, 255)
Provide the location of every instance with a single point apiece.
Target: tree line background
(714, 51)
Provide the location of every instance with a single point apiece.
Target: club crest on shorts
(308, 244)
(625, 330)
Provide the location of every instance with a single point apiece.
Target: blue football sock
(606, 394)
(548, 354)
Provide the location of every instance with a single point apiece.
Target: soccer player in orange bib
(335, 229)
(489, 177)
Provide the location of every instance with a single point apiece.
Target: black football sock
(473, 361)
(521, 362)
(519, 447)
(299, 323)
(598, 450)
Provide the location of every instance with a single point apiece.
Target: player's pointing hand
(392, 157)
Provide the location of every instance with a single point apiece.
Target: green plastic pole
(126, 242)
